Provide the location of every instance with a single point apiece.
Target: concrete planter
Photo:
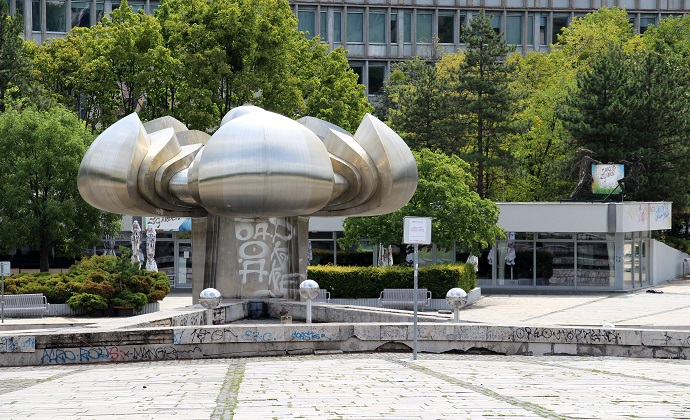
(63, 309)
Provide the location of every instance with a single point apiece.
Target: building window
(407, 27)
(446, 28)
(355, 27)
(555, 264)
(423, 27)
(394, 28)
(137, 6)
(646, 22)
(559, 22)
(542, 30)
(81, 14)
(306, 23)
(357, 69)
(377, 27)
(19, 7)
(36, 16)
(514, 30)
(463, 22)
(337, 27)
(377, 73)
(100, 11)
(496, 22)
(323, 24)
(530, 29)
(55, 16)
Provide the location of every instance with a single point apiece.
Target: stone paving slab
(353, 386)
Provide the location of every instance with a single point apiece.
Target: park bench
(404, 298)
(324, 296)
(34, 304)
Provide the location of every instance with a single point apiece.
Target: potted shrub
(126, 302)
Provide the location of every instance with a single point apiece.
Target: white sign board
(417, 230)
(166, 224)
(5, 268)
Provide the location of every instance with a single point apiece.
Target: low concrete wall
(203, 342)
(185, 336)
(667, 262)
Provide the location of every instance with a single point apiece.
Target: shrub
(87, 302)
(104, 263)
(160, 286)
(368, 282)
(139, 284)
(129, 300)
(103, 277)
(105, 289)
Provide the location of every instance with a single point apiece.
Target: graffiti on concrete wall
(567, 335)
(17, 344)
(263, 258)
(98, 354)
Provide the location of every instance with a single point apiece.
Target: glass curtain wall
(596, 260)
(636, 260)
(565, 260)
(81, 14)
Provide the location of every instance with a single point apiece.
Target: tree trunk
(44, 251)
(480, 153)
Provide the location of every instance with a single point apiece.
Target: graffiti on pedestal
(263, 253)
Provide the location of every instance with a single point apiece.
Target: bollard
(210, 299)
(456, 298)
(308, 289)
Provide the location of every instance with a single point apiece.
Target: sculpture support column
(247, 258)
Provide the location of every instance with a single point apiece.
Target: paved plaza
(386, 385)
(360, 386)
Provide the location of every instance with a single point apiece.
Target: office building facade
(378, 33)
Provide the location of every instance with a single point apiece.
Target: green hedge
(368, 282)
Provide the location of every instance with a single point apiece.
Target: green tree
(40, 205)
(116, 67)
(587, 36)
(596, 115)
(413, 103)
(232, 52)
(15, 62)
(329, 86)
(542, 151)
(636, 105)
(485, 104)
(140, 66)
(443, 193)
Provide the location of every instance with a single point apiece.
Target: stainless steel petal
(396, 166)
(164, 122)
(108, 172)
(164, 146)
(262, 164)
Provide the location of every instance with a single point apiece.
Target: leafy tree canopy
(40, 205)
(443, 193)
(587, 36)
(15, 62)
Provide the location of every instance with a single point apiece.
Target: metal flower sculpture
(250, 187)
